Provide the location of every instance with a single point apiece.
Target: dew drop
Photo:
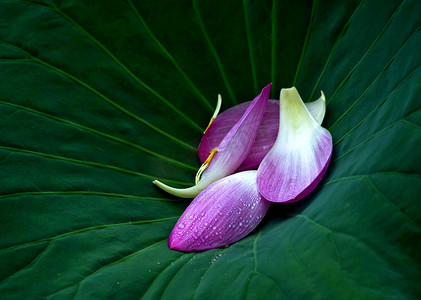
(239, 224)
(181, 225)
(214, 227)
(158, 263)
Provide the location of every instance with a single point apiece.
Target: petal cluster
(266, 134)
(283, 140)
(231, 151)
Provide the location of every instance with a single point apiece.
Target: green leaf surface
(98, 98)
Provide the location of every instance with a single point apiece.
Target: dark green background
(97, 98)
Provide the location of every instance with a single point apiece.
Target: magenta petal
(266, 134)
(237, 143)
(230, 152)
(223, 213)
(300, 156)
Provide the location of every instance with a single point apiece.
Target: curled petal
(223, 213)
(231, 150)
(300, 155)
(266, 134)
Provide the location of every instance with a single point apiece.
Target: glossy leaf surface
(98, 98)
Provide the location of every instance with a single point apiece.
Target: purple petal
(223, 213)
(231, 151)
(300, 156)
(266, 134)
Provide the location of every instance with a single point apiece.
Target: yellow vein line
(99, 94)
(124, 67)
(213, 50)
(332, 51)
(87, 163)
(375, 80)
(250, 46)
(90, 193)
(273, 47)
(100, 133)
(306, 40)
(170, 57)
(376, 108)
(335, 92)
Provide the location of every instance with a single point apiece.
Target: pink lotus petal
(223, 213)
(232, 149)
(300, 155)
(266, 135)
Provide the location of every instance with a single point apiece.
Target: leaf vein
(170, 57)
(250, 48)
(100, 133)
(214, 52)
(100, 95)
(332, 51)
(88, 163)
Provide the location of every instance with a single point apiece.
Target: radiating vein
(214, 52)
(323, 228)
(100, 133)
(372, 174)
(86, 229)
(306, 40)
(291, 244)
(250, 46)
(166, 268)
(99, 94)
(376, 108)
(273, 283)
(170, 57)
(335, 92)
(15, 60)
(370, 138)
(390, 203)
(255, 250)
(125, 68)
(175, 275)
(88, 163)
(377, 78)
(79, 283)
(121, 260)
(332, 51)
(38, 257)
(90, 193)
(204, 275)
